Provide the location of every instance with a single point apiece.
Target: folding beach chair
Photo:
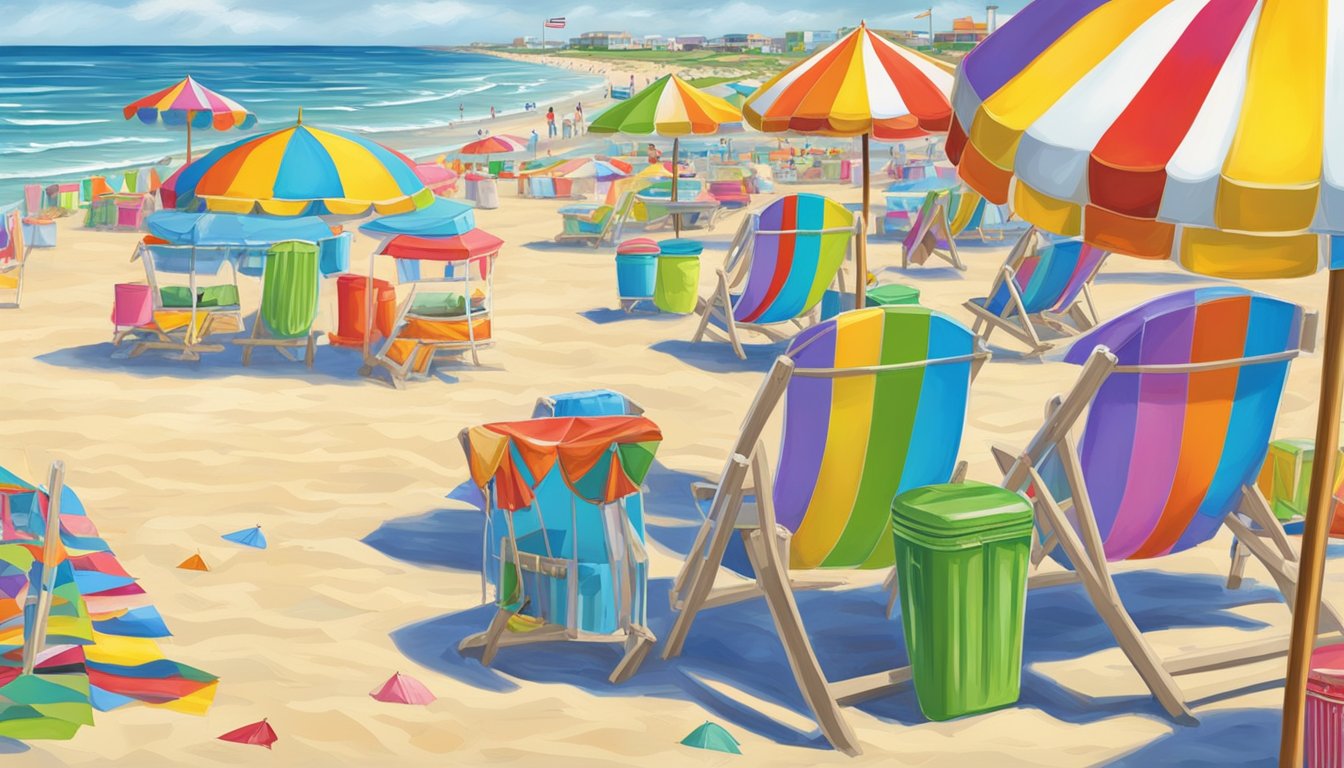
(930, 235)
(1043, 283)
(565, 551)
(779, 264)
(874, 403)
(1180, 396)
(180, 317)
(289, 294)
(13, 257)
(595, 224)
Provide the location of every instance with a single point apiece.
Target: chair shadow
(715, 356)
(442, 538)
(12, 746)
(1228, 737)
(609, 315)
(738, 646)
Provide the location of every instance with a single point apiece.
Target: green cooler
(678, 281)
(891, 294)
(962, 552)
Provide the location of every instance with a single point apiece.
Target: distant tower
(991, 18)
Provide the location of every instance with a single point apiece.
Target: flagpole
(931, 45)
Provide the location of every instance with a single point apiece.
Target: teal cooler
(678, 279)
(962, 552)
(636, 269)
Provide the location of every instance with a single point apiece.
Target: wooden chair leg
(893, 587)
(488, 640)
(770, 574)
(1237, 569)
(637, 647)
(311, 351)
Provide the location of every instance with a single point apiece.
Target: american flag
(556, 23)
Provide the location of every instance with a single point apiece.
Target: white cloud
(207, 17)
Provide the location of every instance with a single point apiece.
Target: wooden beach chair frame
(737, 266)
(261, 336)
(633, 635)
(188, 341)
(15, 268)
(1084, 546)
(611, 229)
(748, 473)
(1015, 320)
(929, 224)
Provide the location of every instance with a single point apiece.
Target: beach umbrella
(1204, 131)
(403, 689)
(713, 737)
(191, 104)
(502, 144)
(259, 733)
(300, 170)
(248, 537)
(860, 85)
(194, 563)
(668, 107)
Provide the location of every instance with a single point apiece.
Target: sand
(169, 455)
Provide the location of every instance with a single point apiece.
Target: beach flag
(248, 537)
(925, 14)
(403, 689)
(556, 23)
(194, 563)
(259, 733)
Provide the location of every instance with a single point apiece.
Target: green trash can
(962, 552)
(891, 294)
(678, 281)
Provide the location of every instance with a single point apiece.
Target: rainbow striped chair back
(1166, 452)
(1176, 400)
(852, 441)
(798, 244)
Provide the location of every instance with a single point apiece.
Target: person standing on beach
(550, 122)
(492, 111)
(461, 111)
(579, 127)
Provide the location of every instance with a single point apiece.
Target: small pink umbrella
(402, 689)
(259, 733)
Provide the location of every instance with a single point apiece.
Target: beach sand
(371, 570)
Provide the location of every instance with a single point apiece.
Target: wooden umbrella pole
(861, 263)
(1312, 565)
(676, 219)
(188, 136)
(38, 637)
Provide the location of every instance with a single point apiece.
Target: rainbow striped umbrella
(300, 170)
(191, 104)
(860, 85)
(1207, 131)
(669, 106)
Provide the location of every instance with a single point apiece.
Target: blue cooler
(636, 270)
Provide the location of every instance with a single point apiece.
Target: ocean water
(60, 107)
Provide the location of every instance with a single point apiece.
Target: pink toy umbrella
(402, 689)
(259, 733)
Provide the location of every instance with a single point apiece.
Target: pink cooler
(1325, 708)
(132, 305)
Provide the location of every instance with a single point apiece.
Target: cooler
(352, 310)
(678, 282)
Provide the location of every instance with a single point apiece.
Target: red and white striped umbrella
(862, 83)
(494, 145)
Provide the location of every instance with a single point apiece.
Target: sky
(438, 22)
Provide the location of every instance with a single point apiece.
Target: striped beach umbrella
(190, 104)
(860, 85)
(1207, 131)
(494, 145)
(669, 106)
(302, 169)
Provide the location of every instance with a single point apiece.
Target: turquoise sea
(60, 107)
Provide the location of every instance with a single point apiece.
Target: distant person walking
(579, 127)
(532, 142)
(461, 111)
(550, 122)
(492, 111)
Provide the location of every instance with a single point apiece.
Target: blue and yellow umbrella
(300, 170)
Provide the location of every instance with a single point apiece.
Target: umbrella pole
(188, 137)
(368, 308)
(1312, 564)
(38, 638)
(861, 263)
(676, 220)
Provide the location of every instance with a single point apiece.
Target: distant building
(603, 41)
(738, 41)
(656, 42)
(688, 43)
(964, 30)
(776, 46)
(808, 40)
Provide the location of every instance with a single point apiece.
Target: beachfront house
(806, 41)
(603, 41)
(656, 43)
(687, 43)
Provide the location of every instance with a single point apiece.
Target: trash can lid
(638, 245)
(894, 293)
(1326, 675)
(680, 246)
(955, 511)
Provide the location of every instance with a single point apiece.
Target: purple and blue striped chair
(781, 261)
(1177, 400)
(874, 403)
(1044, 282)
(931, 234)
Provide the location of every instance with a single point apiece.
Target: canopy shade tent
(441, 218)
(472, 244)
(190, 104)
(861, 85)
(668, 107)
(300, 170)
(225, 229)
(1206, 131)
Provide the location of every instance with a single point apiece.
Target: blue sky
(434, 22)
